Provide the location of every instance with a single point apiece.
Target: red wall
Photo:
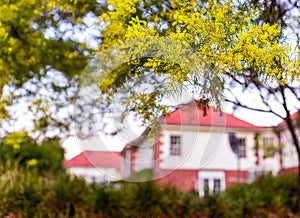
(187, 180)
(231, 177)
(184, 180)
(289, 170)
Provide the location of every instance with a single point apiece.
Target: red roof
(95, 159)
(191, 114)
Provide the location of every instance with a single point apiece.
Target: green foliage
(69, 195)
(148, 199)
(38, 37)
(22, 192)
(20, 150)
(32, 39)
(178, 204)
(215, 206)
(106, 197)
(26, 193)
(266, 196)
(141, 176)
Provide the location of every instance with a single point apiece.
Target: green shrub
(109, 201)
(70, 194)
(19, 149)
(22, 192)
(141, 176)
(267, 195)
(179, 204)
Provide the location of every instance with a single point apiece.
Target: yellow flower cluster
(32, 162)
(117, 21)
(184, 40)
(15, 139)
(224, 37)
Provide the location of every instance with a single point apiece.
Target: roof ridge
(232, 122)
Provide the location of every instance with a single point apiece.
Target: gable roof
(191, 114)
(95, 159)
(136, 142)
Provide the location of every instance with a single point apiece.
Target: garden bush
(265, 197)
(44, 189)
(27, 193)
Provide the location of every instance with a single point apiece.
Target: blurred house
(192, 150)
(96, 166)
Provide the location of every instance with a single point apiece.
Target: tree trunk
(292, 130)
(297, 206)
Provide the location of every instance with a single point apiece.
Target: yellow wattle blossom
(220, 38)
(32, 162)
(16, 146)
(16, 138)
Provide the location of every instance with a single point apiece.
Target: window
(217, 185)
(268, 147)
(243, 151)
(211, 182)
(267, 141)
(175, 145)
(206, 186)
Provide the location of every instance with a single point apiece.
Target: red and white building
(192, 150)
(96, 166)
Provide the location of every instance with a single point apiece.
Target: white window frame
(243, 148)
(217, 189)
(175, 147)
(210, 176)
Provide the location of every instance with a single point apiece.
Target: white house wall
(289, 152)
(126, 163)
(144, 156)
(205, 149)
(268, 164)
(96, 174)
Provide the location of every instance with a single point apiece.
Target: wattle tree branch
(253, 108)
